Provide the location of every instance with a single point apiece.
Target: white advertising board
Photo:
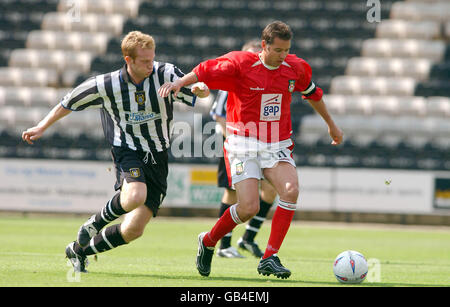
(387, 191)
(84, 186)
(55, 185)
(365, 190)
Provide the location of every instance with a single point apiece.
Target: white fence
(84, 187)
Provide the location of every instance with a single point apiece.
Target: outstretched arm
(176, 85)
(334, 131)
(34, 133)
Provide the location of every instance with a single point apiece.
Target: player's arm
(34, 133)
(84, 96)
(200, 90)
(219, 73)
(334, 131)
(313, 94)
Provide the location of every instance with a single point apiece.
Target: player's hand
(200, 89)
(32, 134)
(169, 87)
(336, 134)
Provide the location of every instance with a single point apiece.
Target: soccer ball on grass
(350, 267)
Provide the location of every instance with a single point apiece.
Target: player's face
(142, 65)
(275, 53)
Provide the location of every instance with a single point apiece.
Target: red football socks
(224, 225)
(281, 222)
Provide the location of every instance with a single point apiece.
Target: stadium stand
(393, 99)
(386, 82)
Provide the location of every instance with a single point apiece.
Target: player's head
(252, 46)
(138, 50)
(276, 42)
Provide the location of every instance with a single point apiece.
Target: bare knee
(247, 210)
(133, 197)
(290, 192)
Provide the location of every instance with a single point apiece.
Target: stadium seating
(394, 97)
(110, 24)
(419, 69)
(404, 48)
(59, 60)
(418, 10)
(387, 83)
(74, 41)
(401, 29)
(15, 76)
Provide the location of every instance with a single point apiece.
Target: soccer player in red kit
(259, 128)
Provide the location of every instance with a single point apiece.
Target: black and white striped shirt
(133, 116)
(219, 106)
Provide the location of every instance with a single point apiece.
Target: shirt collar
(266, 65)
(125, 77)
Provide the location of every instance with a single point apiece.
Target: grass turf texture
(32, 254)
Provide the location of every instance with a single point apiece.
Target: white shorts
(247, 157)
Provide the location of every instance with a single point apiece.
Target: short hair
(253, 44)
(276, 29)
(136, 39)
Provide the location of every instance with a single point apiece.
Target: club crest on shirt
(239, 168)
(291, 86)
(139, 96)
(135, 172)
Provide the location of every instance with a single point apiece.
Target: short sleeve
(220, 73)
(84, 96)
(306, 85)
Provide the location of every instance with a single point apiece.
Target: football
(350, 267)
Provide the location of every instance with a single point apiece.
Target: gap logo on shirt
(270, 107)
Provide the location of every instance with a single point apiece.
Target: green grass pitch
(32, 254)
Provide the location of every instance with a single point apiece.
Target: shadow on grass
(262, 282)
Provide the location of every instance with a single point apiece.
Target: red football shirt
(259, 96)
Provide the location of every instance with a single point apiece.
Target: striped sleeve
(172, 73)
(219, 106)
(84, 96)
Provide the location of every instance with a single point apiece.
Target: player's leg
(267, 197)
(246, 173)
(134, 223)
(141, 184)
(141, 195)
(130, 180)
(247, 194)
(111, 211)
(285, 180)
(133, 196)
(246, 208)
(229, 198)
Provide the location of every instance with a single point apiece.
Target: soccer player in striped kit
(137, 123)
(259, 128)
